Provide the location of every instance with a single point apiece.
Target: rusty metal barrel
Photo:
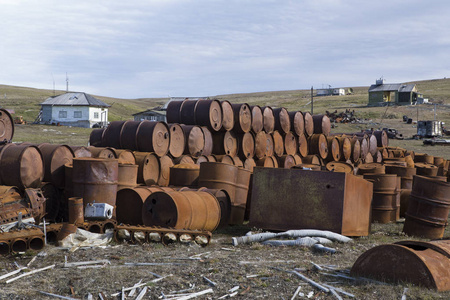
(406, 174)
(278, 143)
(182, 210)
(268, 119)
(165, 163)
(345, 147)
(149, 168)
(339, 166)
(81, 151)
(76, 210)
(215, 175)
(249, 164)
(257, 119)
(124, 156)
(95, 180)
(242, 118)
(127, 176)
(6, 126)
(96, 137)
(152, 136)
(303, 147)
(227, 116)
(184, 175)
(322, 124)
(246, 143)
(239, 203)
(282, 120)
(55, 157)
(260, 144)
(205, 158)
(334, 149)
(371, 168)
(309, 123)
(232, 160)
(286, 161)
(21, 166)
(187, 112)
(173, 111)
(128, 133)
(311, 159)
(209, 113)
(209, 142)
(177, 140)
(426, 169)
(356, 149)
(184, 159)
(267, 162)
(297, 122)
(129, 204)
(111, 135)
(54, 199)
(225, 143)
(382, 138)
(428, 208)
(298, 159)
(384, 201)
(195, 140)
(224, 202)
(102, 152)
(423, 158)
(318, 145)
(290, 143)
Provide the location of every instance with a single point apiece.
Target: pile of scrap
(347, 116)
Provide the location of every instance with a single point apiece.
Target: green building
(392, 93)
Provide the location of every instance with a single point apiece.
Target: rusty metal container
(55, 157)
(298, 159)
(101, 152)
(224, 202)
(66, 230)
(215, 175)
(267, 162)
(204, 158)
(124, 156)
(423, 158)
(187, 112)
(371, 168)
(227, 116)
(184, 159)
(268, 119)
(261, 144)
(225, 143)
(129, 204)
(290, 143)
(428, 208)
(334, 149)
(111, 135)
(297, 122)
(278, 143)
(184, 175)
(21, 166)
(232, 160)
(404, 200)
(345, 148)
(6, 126)
(356, 150)
(242, 118)
(384, 152)
(13, 203)
(173, 111)
(149, 168)
(76, 210)
(333, 201)
(238, 204)
(182, 210)
(303, 147)
(96, 137)
(373, 144)
(404, 172)
(195, 140)
(438, 161)
(318, 145)
(426, 169)
(311, 159)
(249, 164)
(127, 176)
(257, 119)
(368, 159)
(309, 124)
(321, 124)
(81, 151)
(246, 143)
(152, 136)
(177, 140)
(270, 145)
(165, 163)
(384, 202)
(209, 143)
(363, 145)
(95, 179)
(128, 135)
(425, 264)
(339, 166)
(286, 161)
(209, 113)
(282, 119)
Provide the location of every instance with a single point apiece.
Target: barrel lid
(248, 144)
(6, 126)
(268, 119)
(309, 123)
(230, 143)
(297, 122)
(257, 119)
(278, 143)
(164, 174)
(290, 143)
(260, 144)
(242, 117)
(177, 140)
(227, 116)
(215, 115)
(338, 166)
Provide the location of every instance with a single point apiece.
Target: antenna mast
(67, 83)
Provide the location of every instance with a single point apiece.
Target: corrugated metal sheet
(75, 99)
(392, 87)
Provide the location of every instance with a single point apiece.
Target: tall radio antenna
(67, 83)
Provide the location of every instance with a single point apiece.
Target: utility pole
(312, 100)
(67, 83)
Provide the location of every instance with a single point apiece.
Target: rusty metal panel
(284, 199)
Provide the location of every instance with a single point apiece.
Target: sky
(193, 48)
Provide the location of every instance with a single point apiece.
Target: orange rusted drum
(225, 143)
(345, 147)
(177, 140)
(423, 158)
(373, 144)
(173, 111)
(339, 166)
(303, 147)
(369, 159)
(232, 160)
(128, 139)
(270, 145)
(182, 210)
(404, 200)
(102, 152)
(290, 143)
(371, 168)
(382, 138)
(286, 161)
(184, 159)
(184, 175)
(66, 230)
(6, 126)
(21, 166)
(129, 204)
(152, 136)
(242, 118)
(124, 156)
(204, 158)
(95, 180)
(278, 143)
(165, 163)
(404, 172)
(208, 149)
(149, 168)
(95, 138)
(127, 176)
(260, 144)
(240, 200)
(384, 202)
(309, 123)
(318, 145)
(246, 143)
(53, 202)
(267, 162)
(297, 122)
(321, 124)
(426, 169)
(81, 151)
(311, 159)
(209, 113)
(282, 120)
(76, 210)
(187, 112)
(363, 145)
(111, 135)
(356, 150)
(334, 153)
(224, 202)
(257, 119)
(298, 159)
(195, 140)
(215, 175)
(269, 119)
(55, 157)
(249, 164)
(384, 152)
(438, 161)
(227, 116)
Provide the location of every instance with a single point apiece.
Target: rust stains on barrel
(184, 159)
(149, 168)
(227, 116)
(127, 177)
(345, 147)
(6, 126)
(96, 137)
(290, 143)
(384, 202)
(322, 124)
(267, 162)
(184, 175)
(269, 119)
(334, 153)
(240, 201)
(224, 202)
(297, 122)
(426, 169)
(165, 163)
(207, 150)
(225, 143)
(76, 210)
(309, 123)
(129, 205)
(21, 166)
(111, 136)
(173, 111)
(187, 112)
(257, 119)
(382, 138)
(195, 140)
(217, 175)
(286, 161)
(246, 143)
(102, 152)
(81, 151)
(278, 143)
(318, 145)
(177, 140)
(260, 144)
(55, 157)
(209, 113)
(242, 118)
(282, 119)
(128, 135)
(152, 136)
(303, 147)
(249, 164)
(124, 156)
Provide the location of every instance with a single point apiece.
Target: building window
(62, 114)
(96, 115)
(77, 114)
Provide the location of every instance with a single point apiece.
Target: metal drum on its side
(278, 143)
(195, 140)
(242, 118)
(124, 156)
(128, 135)
(215, 175)
(257, 119)
(282, 119)
(297, 122)
(165, 162)
(127, 176)
(149, 168)
(303, 147)
(187, 112)
(268, 119)
(309, 123)
(227, 116)
(96, 137)
(318, 145)
(177, 140)
(286, 161)
(111, 135)
(225, 143)
(334, 149)
(6, 126)
(290, 143)
(129, 204)
(209, 143)
(321, 124)
(260, 144)
(102, 152)
(81, 151)
(173, 111)
(55, 157)
(184, 175)
(152, 136)
(246, 143)
(209, 113)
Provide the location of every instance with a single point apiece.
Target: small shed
(74, 109)
(151, 115)
(395, 93)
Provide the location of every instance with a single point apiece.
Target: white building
(74, 109)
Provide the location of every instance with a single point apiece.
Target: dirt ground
(258, 270)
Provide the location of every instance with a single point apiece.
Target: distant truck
(19, 120)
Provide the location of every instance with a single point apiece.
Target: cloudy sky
(157, 48)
